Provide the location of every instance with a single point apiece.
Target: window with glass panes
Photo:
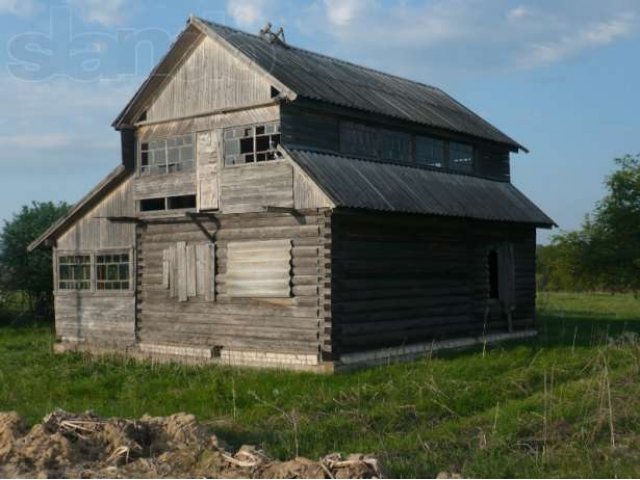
(74, 272)
(430, 151)
(250, 144)
(112, 272)
(460, 157)
(167, 155)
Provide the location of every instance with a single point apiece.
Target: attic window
(167, 155)
(182, 202)
(430, 151)
(152, 204)
(251, 144)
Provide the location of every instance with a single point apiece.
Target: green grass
(524, 409)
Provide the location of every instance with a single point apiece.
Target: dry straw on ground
(86, 446)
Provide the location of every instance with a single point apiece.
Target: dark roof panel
(319, 77)
(358, 183)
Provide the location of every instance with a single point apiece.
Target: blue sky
(561, 77)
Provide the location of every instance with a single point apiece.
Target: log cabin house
(277, 207)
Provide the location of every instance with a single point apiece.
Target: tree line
(26, 279)
(604, 253)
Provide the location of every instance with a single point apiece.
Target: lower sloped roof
(358, 183)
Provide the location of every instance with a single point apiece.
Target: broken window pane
(251, 144)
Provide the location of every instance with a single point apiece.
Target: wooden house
(277, 207)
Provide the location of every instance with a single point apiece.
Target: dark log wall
(405, 279)
(317, 129)
(492, 161)
(309, 128)
(292, 325)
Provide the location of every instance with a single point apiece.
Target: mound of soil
(65, 445)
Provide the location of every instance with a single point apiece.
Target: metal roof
(357, 183)
(319, 77)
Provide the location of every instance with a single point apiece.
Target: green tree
(618, 224)
(29, 273)
(604, 254)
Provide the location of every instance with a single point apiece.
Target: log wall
(405, 279)
(290, 324)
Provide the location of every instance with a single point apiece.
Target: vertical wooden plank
(207, 171)
(209, 272)
(201, 265)
(181, 254)
(191, 271)
(166, 265)
(55, 269)
(173, 271)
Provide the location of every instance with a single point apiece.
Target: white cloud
(519, 13)
(443, 38)
(106, 12)
(21, 8)
(247, 13)
(341, 13)
(592, 36)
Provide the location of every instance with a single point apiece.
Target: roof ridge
(328, 57)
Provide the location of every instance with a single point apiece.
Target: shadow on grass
(581, 330)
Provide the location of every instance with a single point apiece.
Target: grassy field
(566, 404)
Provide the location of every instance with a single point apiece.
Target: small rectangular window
(460, 157)
(152, 205)
(74, 272)
(430, 151)
(182, 202)
(251, 144)
(112, 272)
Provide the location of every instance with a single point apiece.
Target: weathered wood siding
(207, 123)
(209, 158)
(95, 318)
(99, 317)
(209, 79)
(294, 324)
(94, 230)
(165, 185)
(254, 186)
(306, 193)
(405, 279)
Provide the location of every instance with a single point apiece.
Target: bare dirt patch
(87, 446)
